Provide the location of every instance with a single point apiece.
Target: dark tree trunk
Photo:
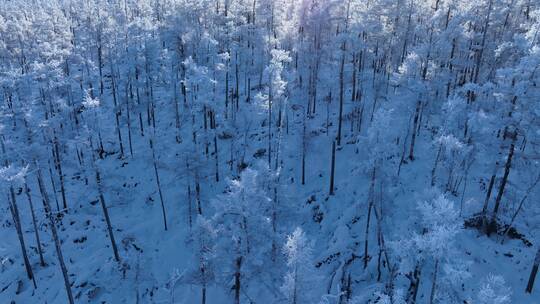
(54, 187)
(370, 207)
(50, 216)
(34, 222)
(493, 225)
(237, 277)
(12, 202)
(434, 283)
(534, 270)
(158, 184)
(333, 168)
(60, 172)
(106, 214)
(129, 121)
(17, 222)
(415, 127)
(488, 194)
(216, 156)
(341, 92)
(414, 279)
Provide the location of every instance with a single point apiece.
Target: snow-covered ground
(412, 217)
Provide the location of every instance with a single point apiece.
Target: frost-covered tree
(203, 272)
(494, 290)
(301, 278)
(433, 248)
(243, 220)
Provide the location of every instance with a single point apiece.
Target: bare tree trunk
(198, 193)
(488, 194)
(415, 126)
(353, 77)
(295, 290)
(46, 205)
(17, 222)
(117, 112)
(414, 278)
(478, 62)
(366, 236)
(237, 277)
(129, 120)
(12, 202)
(434, 283)
(519, 208)
(304, 149)
(158, 184)
(404, 148)
(370, 206)
(270, 102)
(434, 170)
(100, 61)
(176, 108)
(493, 225)
(53, 184)
(341, 89)
(60, 173)
(227, 90)
(333, 168)
(34, 222)
(105, 212)
(216, 156)
(203, 288)
(534, 270)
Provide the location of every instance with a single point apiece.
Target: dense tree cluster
(271, 115)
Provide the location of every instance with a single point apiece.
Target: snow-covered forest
(269, 151)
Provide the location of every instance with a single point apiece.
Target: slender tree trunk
(534, 270)
(434, 283)
(227, 90)
(519, 208)
(366, 236)
(370, 206)
(237, 277)
(434, 170)
(60, 172)
(176, 108)
(414, 279)
(100, 62)
(415, 126)
(117, 118)
(295, 288)
(216, 156)
(106, 213)
(54, 188)
(493, 225)
(270, 103)
(57, 245)
(488, 194)
(353, 77)
(304, 148)
(478, 62)
(158, 185)
(117, 112)
(128, 86)
(198, 194)
(17, 222)
(333, 168)
(203, 288)
(34, 222)
(341, 92)
(12, 202)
